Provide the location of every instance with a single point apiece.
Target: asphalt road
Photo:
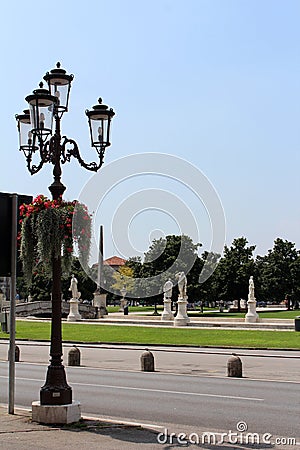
(169, 400)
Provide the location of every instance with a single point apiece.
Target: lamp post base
(60, 414)
(56, 391)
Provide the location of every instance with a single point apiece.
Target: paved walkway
(17, 431)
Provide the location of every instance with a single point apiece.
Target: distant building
(115, 262)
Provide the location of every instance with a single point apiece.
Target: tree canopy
(211, 277)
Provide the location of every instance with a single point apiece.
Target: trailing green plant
(53, 228)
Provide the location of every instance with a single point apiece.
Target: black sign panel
(5, 229)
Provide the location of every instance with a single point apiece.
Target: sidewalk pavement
(17, 431)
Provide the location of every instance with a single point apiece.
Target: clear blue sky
(215, 82)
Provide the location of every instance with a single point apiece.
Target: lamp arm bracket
(67, 152)
(32, 168)
(45, 157)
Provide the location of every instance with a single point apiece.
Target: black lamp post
(36, 138)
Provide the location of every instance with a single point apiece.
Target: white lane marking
(162, 391)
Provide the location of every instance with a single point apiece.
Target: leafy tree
(208, 279)
(40, 288)
(135, 263)
(234, 270)
(276, 274)
(279, 271)
(172, 254)
(86, 285)
(166, 257)
(295, 272)
(123, 277)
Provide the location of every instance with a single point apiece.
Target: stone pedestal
(60, 414)
(251, 316)
(167, 312)
(74, 313)
(181, 319)
(99, 301)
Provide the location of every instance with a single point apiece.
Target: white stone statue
(74, 302)
(181, 318)
(168, 286)
(73, 288)
(182, 284)
(251, 287)
(167, 312)
(243, 303)
(251, 316)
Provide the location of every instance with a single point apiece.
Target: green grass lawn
(155, 335)
(284, 314)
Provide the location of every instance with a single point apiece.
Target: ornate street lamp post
(38, 140)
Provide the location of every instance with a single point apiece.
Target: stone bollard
(234, 366)
(17, 354)
(74, 357)
(147, 361)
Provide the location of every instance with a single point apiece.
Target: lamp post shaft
(56, 391)
(35, 133)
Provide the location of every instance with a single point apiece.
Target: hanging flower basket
(50, 228)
